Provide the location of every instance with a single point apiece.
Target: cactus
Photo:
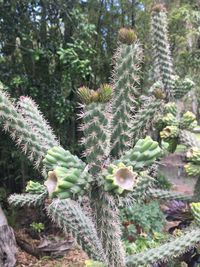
(166, 251)
(119, 163)
(188, 139)
(96, 125)
(57, 156)
(108, 227)
(192, 167)
(69, 216)
(120, 178)
(182, 87)
(195, 208)
(20, 131)
(67, 183)
(125, 82)
(35, 188)
(163, 66)
(20, 200)
(168, 195)
(35, 119)
(145, 117)
(143, 154)
(171, 108)
(188, 121)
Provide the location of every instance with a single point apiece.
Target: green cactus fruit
(169, 132)
(102, 95)
(192, 169)
(169, 119)
(35, 188)
(120, 178)
(195, 208)
(127, 36)
(193, 155)
(143, 154)
(67, 183)
(170, 107)
(84, 94)
(188, 121)
(57, 156)
(159, 93)
(105, 93)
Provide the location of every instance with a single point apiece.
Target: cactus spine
(125, 80)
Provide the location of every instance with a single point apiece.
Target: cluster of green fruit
(68, 176)
(193, 157)
(170, 125)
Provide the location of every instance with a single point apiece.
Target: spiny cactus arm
(108, 227)
(163, 66)
(96, 122)
(125, 80)
(168, 195)
(188, 139)
(30, 111)
(166, 251)
(68, 215)
(20, 200)
(145, 118)
(25, 136)
(182, 87)
(144, 184)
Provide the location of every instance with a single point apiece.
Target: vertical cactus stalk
(25, 136)
(70, 217)
(95, 127)
(145, 117)
(31, 113)
(108, 227)
(188, 139)
(126, 81)
(163, 66)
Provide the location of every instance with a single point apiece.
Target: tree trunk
(8, 247)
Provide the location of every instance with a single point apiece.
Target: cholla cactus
(108, 127)
(163, 66)
(176, 129)
(125, 82)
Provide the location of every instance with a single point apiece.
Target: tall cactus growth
(115, 173)
(163, 66)
(125, 82)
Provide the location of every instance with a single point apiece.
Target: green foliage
(144, 242)
(148, 217)
(38, 227)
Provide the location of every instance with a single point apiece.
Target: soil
(74, 257)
